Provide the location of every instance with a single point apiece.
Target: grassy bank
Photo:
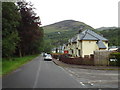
(14, 63)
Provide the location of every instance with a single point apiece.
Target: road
(91, 78)
(40, 74)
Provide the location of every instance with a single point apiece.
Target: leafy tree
(10, 22)
(30, 33)
(47, 46)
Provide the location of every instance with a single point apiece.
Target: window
(72, 51)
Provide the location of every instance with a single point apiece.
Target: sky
(96, 13)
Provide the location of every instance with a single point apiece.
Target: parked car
(48, 57)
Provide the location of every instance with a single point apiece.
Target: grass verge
(14, 63)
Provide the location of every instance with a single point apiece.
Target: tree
(29, 31)
(10, 22)
(47, 46)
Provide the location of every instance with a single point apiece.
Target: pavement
(60, 63)
(93, 76)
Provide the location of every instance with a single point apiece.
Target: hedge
(115, 55)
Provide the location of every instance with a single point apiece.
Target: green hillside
(67, 29)
(66, 25)
(113, 35)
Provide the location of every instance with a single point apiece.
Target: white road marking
(91, 83)
(37, 75)
(82, 83)
(61, 68)
(71, 72)
(66, 71)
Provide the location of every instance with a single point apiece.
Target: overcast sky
(96, 13)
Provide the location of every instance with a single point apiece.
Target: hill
(112, 35)
(66, 25)
(105, 28)
(67, 29)
(58, 33)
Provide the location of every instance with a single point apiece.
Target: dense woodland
(21, 31)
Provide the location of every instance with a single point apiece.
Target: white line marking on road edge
(66, 71)
(82, 83)
(37, 76)
(61, 68)
(91, 83)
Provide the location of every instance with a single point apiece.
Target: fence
(101, 58)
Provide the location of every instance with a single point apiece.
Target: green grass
(49, 29)
(14, 63)
(0, 67)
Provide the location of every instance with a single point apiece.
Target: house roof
(90, 35)
(74, 39)
(101, 45)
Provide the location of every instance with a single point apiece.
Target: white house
(85, 43)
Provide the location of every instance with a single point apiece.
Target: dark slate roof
(101, 44)
(74, 39)
(90, 35)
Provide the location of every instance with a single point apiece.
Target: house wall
(106, 44)
(73, 47)
(88, 47)
(79, 47)
(79, 44)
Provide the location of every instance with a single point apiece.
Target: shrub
(115, 55)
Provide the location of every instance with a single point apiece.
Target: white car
(44, 54)
(48, 57)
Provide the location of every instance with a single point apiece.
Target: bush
(115, 55)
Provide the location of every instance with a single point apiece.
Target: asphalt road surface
(91, 78)
(40, 74)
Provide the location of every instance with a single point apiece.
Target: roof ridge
(98, 35)
(84, 34)
(93, 35)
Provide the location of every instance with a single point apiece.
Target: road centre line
(37, 75)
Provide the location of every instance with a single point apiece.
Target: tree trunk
(20, 54)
